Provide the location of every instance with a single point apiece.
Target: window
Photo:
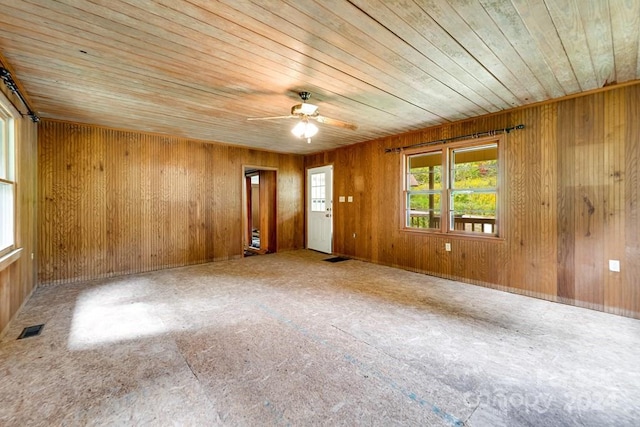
(453, 189)
(318, 192)
(424, 190)
(7, 179)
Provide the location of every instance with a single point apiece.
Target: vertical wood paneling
(614, 215)
(571, 200)
(565, 167)
(268, 196)
(18, 280)
(587, 199)
(548, 238)
(631, 263)
(118, 202)
(533, 153)
(518, 242)
(290, 201)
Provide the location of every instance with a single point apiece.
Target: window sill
(10, 258)
(454, 235)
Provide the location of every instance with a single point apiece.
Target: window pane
(475, 167)
(424, 172)
(6, 215)
(473, 211)
(423, 210)
(317, 205)
(318, 192)
(11, 151)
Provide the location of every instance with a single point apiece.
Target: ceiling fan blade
(334, 122)
(272, 118)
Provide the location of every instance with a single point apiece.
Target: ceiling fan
(306, 112)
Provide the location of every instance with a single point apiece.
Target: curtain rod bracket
(11, 85)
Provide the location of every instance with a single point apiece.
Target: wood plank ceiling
(199, 68)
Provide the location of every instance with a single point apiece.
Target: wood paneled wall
(115, 202)
(268, 210)
(18, 280)
(572, 190)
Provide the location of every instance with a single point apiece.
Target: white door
(319, 209)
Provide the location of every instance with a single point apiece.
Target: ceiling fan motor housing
(304, 109)
(305, 95)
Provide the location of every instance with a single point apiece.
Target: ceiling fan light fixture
(304, 129)
(304, 112)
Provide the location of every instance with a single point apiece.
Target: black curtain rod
(11, 84)
(455, 138)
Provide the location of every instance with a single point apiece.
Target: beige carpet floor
(289, 339)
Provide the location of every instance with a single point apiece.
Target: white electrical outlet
(614, 265)
(447, 247)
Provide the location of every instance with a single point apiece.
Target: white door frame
(319, 223)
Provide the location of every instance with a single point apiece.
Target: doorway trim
(329, 211)
(273, 220)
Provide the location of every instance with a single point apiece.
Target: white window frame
(8, 175)
(444, 224)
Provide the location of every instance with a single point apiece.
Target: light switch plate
(350, 199)
(614, 265)
(341, 199)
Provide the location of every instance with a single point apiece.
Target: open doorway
(259, 210)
